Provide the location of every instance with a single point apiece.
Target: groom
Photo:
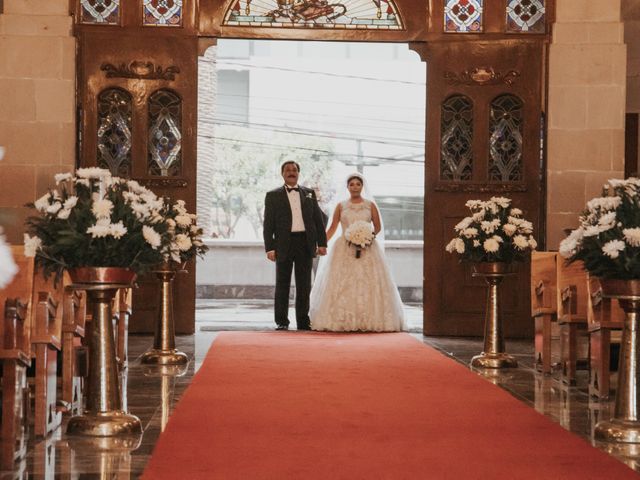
(293, 234)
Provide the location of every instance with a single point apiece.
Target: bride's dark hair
(358, 177)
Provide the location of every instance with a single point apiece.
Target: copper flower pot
(102, 275)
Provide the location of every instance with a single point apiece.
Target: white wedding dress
(355, 294)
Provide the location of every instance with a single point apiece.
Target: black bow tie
(290, 189)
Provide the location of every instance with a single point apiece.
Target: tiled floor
(153, 394)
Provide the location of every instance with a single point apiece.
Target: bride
(355, 293)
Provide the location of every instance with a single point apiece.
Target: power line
(317, 133)
(317, 72)
(315, 150)
(302, 100)
(384, 122)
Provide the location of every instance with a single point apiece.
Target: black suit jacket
(278, 220)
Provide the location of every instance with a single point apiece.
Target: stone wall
(631, 19)
(586, 112)
(37, 107)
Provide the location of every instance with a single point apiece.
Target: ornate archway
(492, 54)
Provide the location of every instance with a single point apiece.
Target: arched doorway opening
(494, 51)
(333, 107)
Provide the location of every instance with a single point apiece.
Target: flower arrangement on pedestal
(493, 237)
(8, 267)
(495, 232)
(608, 238)
(608, 242)
(184, 242)
(92, 219)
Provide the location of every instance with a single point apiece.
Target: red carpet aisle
(377, 406)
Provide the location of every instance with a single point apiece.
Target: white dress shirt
(297, 223)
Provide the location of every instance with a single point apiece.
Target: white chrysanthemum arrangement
(93, 219)
(185, 236)
(495, 232)
(608, 238)
(8, 267)
(360, 235)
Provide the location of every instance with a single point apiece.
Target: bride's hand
(322, 251)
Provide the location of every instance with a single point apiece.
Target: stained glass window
(505, 143)
(166, 13)
(165, 136)
(456, 139)
(106, 12)
(346, 14)
(463, 16)
(525, 16)
(114, 131)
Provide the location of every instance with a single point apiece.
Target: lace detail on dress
(355, 294)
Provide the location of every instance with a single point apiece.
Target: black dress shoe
(304, 327)
(282, 327)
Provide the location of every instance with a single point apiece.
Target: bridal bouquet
(359, 234)
(608, 238)
(92, 219)
(7, 266)
(495, 232)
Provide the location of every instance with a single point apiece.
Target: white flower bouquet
(608, 238)
(92, 219)
(495, 232)
(8, 267)
(360, 235)
(185, 237)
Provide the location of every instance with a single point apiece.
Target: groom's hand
(271, 255)
(322, 251)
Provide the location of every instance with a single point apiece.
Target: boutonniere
(309, 195)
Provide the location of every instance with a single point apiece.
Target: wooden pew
(572, 316)
(74, 354)
(44, 326)
(605, 320)
(15, 357)
(46, 344)
(544, 305)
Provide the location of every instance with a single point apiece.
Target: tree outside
(246, 165)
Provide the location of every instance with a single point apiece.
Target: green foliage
(246, 168)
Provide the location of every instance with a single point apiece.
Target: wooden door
(144, 76)
(485, 87)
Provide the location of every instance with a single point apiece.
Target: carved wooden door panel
(483, 139)
(138, 97)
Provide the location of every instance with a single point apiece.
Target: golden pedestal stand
(624, 427)
(104, 415)
(164, 350)
(493, 354)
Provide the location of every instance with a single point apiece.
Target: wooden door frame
(202, 26)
